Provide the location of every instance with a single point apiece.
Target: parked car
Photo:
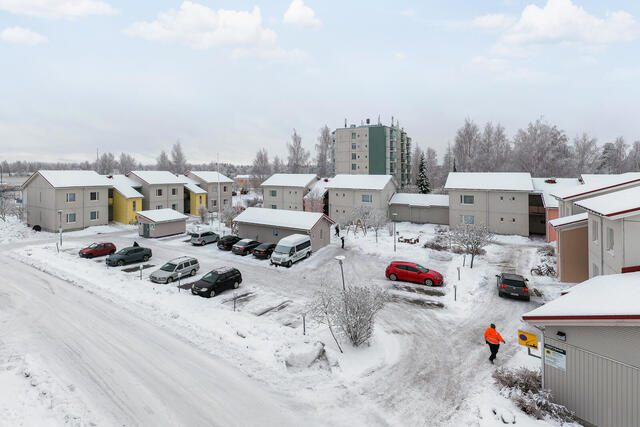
(129, 255)
(226, 243)
(264, 250)
(217, 281)
(97, 249)
(245, 247)
(412, 272)
(291, 249)
(512, 285)
(176, 269)
(204, 238)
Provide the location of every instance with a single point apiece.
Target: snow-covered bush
(471, 238)
(438, 243)
(524, 387)
(547, 251)
(202, 211)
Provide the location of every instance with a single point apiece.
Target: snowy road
(126, 370)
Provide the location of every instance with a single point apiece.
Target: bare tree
(585, 154)
(178, 159)
(377, 221)
(322, 151)
(466, 145)
(261, 169)
(6, 207)
(542, 150)
(106, 164)
(415, 164)
(298, 159)
(162, 162)
(613, 157)
(323, 308)
(431, 162)
(127, 163)
(278, 165)
(494, 150)
(357, 307)
(228, 214)
(632, 163)
(471, 238)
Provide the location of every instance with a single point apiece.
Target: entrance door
(145, 230)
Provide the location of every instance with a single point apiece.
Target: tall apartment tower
(373, 150)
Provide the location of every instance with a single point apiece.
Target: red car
(97, 249)
(412, 272)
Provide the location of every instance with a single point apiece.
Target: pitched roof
(162, 215)
(505, 181)
(608, 182)
(210, 177)
(126, 186)
(360, 182)
(618, 204)
(569, 220)
(601, 300)
(318, 189)
(191, 185)
(425, 200)
(545, 186)
(156, 177)
(298, 220)
(290, 180)
(71, 178)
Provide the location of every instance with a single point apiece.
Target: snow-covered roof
(602, 300)
(126, 186)
(71, 178)
(318, 189)
(191, 185)
(599, 178)
(568, 220)
(426, 200)
(604, 183)
(360, 182)
(162, 215)
(290, 180)
(618, 204)
(211, 177)
(546, 186)
(243, 177)
(156, 177)
(298, 220)
(505, 181)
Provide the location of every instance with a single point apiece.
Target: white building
(350, 192)
(287, 190)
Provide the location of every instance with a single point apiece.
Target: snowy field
(426, 365)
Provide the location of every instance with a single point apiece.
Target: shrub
(547, 251)
(438, 243)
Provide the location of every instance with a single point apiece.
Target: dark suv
(512, 285)
(264, 251)
(129, 255)
(217, 281)
(226, 243)
(245, 247)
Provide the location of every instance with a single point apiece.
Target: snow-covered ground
(426, 365)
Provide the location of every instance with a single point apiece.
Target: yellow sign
(528, 339)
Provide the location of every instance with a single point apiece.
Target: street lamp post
(340, 259)
(394, 215)
(60, 226)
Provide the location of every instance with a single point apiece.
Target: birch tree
(106, 164)
(613, 156)
(323, 148)
(278, 165)
(415, 164)
(585, 154)
(298, 159)
(162, 162)
(632, 162)
(261, 168)
(126, 163)
(471, 238)
(178, 159)
(466, 145)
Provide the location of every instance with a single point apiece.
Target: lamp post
(60, 226)
(340, 259)
(394, 215)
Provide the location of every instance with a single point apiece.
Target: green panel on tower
(377, 150)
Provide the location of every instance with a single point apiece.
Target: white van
(291, 249)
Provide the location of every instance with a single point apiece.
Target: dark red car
(412, 272)
(97, 249)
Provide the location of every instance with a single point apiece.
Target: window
(94, 195)
(214, 203)
(173, 206)
(174, 191)
(353, 166)
(353, 135)
(71, 217)
(501, 219)
(353, 145)
(274, 193)
(224, 201)
(93, 215)
(158, 192)
(158, 206)
(501, 198)
(467, 199)
(467, 219)
(594, 231)
(71, 197)
(224, 188)
(366, 198)
(610, 239)
(274, 207)
(353, 156)
(133, 205)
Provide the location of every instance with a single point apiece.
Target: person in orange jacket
(493, 338)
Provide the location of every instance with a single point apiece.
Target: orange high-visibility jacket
(492, 336)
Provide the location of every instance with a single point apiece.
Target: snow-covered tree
(466, 145)
(298, 158)
(415, 164)
(106, 164)
(494, 150)
(471, 238)
(613, 156)
(585, 154)
(323, 148)
(261, 168)
(6, 207)
(424, 186)
(542, 150)
(322, 309)
(431, 162)
(632, 162)
(278, 165)
(202, 211)
(162, 162)
(178, 159)
(126, 163)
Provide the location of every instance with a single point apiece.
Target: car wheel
(89, 256)
(212, 294)
(428, 282)
(289, 264)
(112, 252)
(500, 294)
(235, 285)
(145, 258)
(393, 277)
(527, 298)
(170, 279)
(121, 262)
(308, 254)
(203, 243)
(193, 272)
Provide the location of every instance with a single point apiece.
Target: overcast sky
(234, 76)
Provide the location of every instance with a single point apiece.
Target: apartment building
(548, 206)
(124, 199)
(287, 190)
(70, 200)
(373, 150)
(194, 196)
(498, 200)
(349, 193)
(160, 189)
(214, 183)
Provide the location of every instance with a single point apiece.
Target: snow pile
(305, 355)
(14, 230)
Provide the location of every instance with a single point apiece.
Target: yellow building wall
(196, 201)
(124, 210)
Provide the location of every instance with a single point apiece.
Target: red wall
(551, 213)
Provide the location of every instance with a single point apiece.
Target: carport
(161, 223)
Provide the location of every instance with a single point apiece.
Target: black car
(264, 250)
(245, 247)
(226, 243)
(217, 281)
(129, 255)
(512, 285)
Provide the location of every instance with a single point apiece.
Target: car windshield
(210, 277)
(514, 282)
(242, 244)
(282, 249)
(422, 269)
(168, 267)
(123, 252)
(92, 246)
